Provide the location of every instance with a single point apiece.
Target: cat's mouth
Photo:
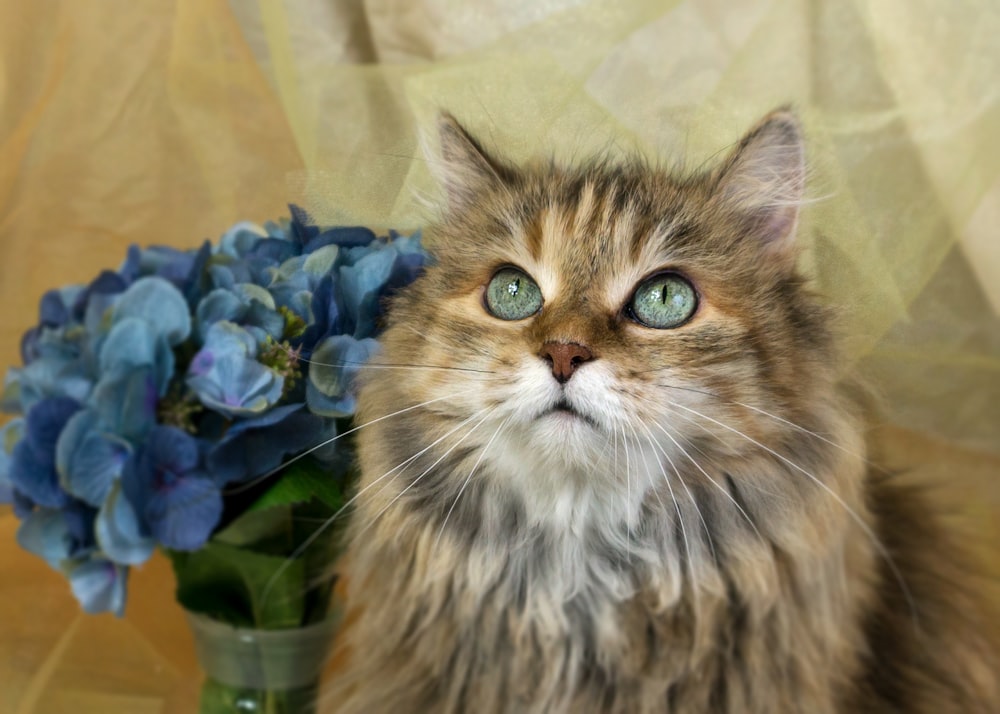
(564, 409)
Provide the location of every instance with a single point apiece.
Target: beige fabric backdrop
(165, 122)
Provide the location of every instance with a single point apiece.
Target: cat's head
(601, 328)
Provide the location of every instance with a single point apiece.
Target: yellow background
(166, 122)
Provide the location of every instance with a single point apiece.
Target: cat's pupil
(514, 287)
(663, 302)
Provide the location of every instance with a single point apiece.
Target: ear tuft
(764, 180)
(464, 168)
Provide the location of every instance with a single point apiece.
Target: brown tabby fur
(704, 535)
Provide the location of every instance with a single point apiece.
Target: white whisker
(330, 521)
(482, 455)
(875, 540)
(694, 502)
(326, 442)
(712, 480)
(430, 468)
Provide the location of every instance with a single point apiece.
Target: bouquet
(200, 401)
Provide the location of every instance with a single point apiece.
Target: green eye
(663, 301)
(512, 295)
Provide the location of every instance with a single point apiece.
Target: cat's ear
(462, 166)
(763, 181)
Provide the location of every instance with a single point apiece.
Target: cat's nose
(564, 358)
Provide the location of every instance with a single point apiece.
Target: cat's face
(608, 327)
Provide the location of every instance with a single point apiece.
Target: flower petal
(10, 434)
(127, 404)
(158, 303)
(257, 446)
(120, 535)
(183, 515)
(99, 586)
(90, 461)
(132, 344)
(46, 533)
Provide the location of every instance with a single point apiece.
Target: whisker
(764, 412)
(330, 521)
(875, 540)
(369, 364)
(696, 602)
(468, 478)
(448, 348)
(628, 497)
(712, 480)
(326, 442)
(711, 433)
(430, 468)
(694, 501)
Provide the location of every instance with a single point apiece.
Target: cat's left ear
(763, 181)
(463, 167)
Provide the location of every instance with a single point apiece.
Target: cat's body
(589, 501)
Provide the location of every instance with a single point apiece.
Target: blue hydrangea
(146, 394)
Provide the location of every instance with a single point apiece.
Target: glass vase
(260, 671)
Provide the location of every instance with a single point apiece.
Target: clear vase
(261, 671)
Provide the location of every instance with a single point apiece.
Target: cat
(616, 469)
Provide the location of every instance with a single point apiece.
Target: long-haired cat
(619, 474)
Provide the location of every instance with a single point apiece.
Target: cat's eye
(663, 301)
(512, 295)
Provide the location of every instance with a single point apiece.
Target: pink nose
(564, 357)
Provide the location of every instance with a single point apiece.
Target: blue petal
(99, 586)
(36, 477)
(218, 305)
(52, 310)
(127, 404)
(46, 533)
(10, 434)
(227, 378)
(131, 344)
(237, 386)
(335, 407)
(321, 262)
(183, 515)
(171, 264)
(336, 361)
(240, 239)
(347, 237)
(160, 304)
(51, 375)
(120, 535)
(361, 286)
(174, 449)
(46, 421)
(274, 249)
(106, 284)
(335, 364)
(89, 461)
(257, 446)
(32, 467)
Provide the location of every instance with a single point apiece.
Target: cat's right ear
(463, 167)
(763, 181)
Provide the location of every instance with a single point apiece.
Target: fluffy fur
(698, 532)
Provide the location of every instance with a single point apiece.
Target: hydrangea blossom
(146, 394)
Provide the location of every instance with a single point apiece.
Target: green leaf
(268, 531)
(241, 587)
(301, 481)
